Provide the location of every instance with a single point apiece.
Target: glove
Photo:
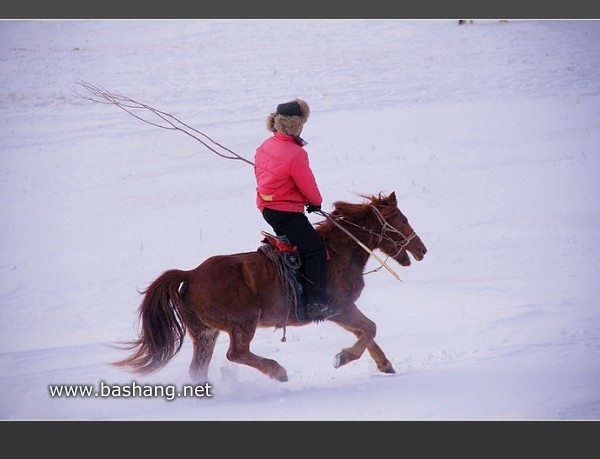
(310, 208)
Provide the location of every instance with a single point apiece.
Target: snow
(489, 133)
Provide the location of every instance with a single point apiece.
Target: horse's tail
(162, 316)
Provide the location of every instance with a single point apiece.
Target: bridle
(385, 228)
(399, 245)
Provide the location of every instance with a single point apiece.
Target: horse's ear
(392, 198)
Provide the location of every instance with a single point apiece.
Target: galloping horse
(239, 292)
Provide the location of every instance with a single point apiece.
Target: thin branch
(165, 121)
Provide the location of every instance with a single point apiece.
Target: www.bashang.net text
(168, 392)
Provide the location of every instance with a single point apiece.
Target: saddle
(286, 259)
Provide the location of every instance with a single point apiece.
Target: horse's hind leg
(239, 352)
(203, 340)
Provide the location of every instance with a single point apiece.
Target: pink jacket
(284, 179)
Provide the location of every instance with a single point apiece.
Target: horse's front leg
(239, 352)
(365, 330)
(383, 364)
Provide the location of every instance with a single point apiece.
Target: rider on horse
(286, 186)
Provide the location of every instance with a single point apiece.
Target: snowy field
(488, 133)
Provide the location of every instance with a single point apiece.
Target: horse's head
(397, 237)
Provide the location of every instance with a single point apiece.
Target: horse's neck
(353, 255)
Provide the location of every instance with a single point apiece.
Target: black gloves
(310, 208)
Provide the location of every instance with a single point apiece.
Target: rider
(285, 185)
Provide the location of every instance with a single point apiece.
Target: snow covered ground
(489, 133)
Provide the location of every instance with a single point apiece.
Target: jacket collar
(290, 138)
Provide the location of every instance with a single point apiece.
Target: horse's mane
(355, 212)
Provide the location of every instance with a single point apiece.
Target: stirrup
(318, 311)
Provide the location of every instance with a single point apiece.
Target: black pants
(300, 232)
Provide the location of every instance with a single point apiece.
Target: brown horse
(238, 293)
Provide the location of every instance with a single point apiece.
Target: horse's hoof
(340, 360)
(387, 368)
(281, 376)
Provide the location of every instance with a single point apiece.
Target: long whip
(159, 119)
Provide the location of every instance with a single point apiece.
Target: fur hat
(289, 117)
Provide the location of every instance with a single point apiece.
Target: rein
(384, 228)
